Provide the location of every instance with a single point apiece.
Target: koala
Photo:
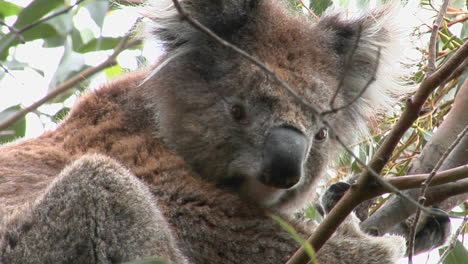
(186, 161)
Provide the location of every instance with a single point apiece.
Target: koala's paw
(434, 233)
(333, 194)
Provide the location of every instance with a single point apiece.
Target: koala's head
(238, 127)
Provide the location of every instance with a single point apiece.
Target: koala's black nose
(283, 157)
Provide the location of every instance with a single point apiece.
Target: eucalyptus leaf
(106, 43)
(114, 71)
(70, 64)
(42, 31)
(17, 130)
(35, 11)
(458, 255)
(319, 6)
(98, 10)
(61, 115)
(147, 261)
(63, 24)
(8, 9)
(464, 31)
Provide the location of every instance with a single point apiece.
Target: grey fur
(95, 211)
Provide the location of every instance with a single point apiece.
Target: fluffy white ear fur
(162, 15)
(375, 59)
(379, 48)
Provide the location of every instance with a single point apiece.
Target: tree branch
(386, 217)
(197, 25)
(365, 183)
(433, 39)
(110, 61)
(14, 30)
(424, 186)
(49, 17)
(309, 10)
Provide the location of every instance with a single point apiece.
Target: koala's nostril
(283, 158)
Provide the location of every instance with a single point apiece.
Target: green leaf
(106, 43)
(114, 71)
(17, 130)
(15, 65)
(54, 42)
(319, 6)
(61, 114)
(63, 24)
(29, 15)
(5, 43)
(312, 213)
(98, 10)
(458, 255)
(42, 31)
(148, 261)
(35, 11)
(288, 228)
(464, 31)
(70, 64)
(79, 38)
(459, 4)
(8, 9)
(294, 5)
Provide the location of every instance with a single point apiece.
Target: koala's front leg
(94, 212)
(350, 245)
(434, 231)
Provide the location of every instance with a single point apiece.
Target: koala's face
(237, 126)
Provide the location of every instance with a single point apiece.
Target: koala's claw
(333, 194)
(433, 234)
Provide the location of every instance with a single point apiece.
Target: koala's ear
(224, 17)
(368, 48)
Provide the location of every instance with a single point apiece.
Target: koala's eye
(321, 135)
(238, 112)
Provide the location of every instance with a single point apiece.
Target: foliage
(286, 226)
(77, 31)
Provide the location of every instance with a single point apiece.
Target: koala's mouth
(254, 190)
(272, 180)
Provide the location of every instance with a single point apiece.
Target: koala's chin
(261, 194)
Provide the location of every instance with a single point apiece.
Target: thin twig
(441, 177)
(453, 240)
(58, 13)
(433, 39)
(342, 208)
(383, 183)
(309, 10)
(347, 65)
(14, 30)
(5, 70)
(197, 25)
(363, 90)
(460, 20)
(422, 195)
(457, 72)
(110, 61)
